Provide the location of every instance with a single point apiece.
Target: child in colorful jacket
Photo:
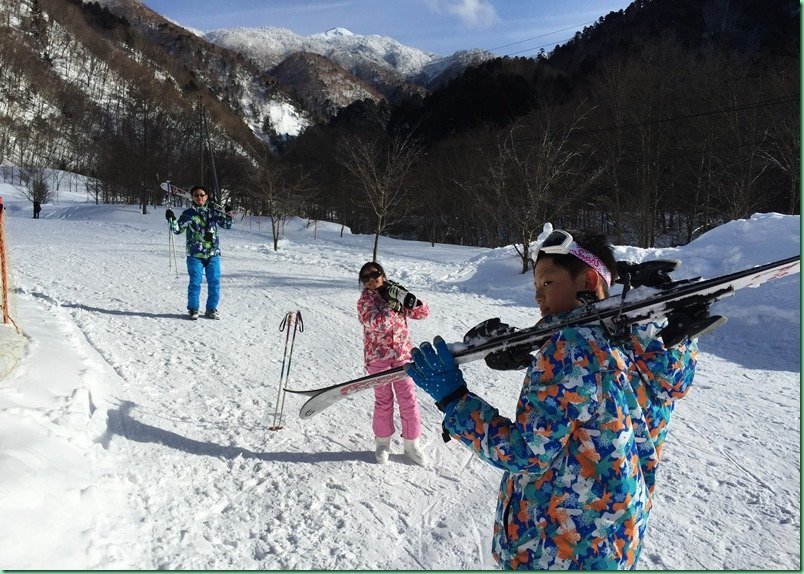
(203, 249)
(660, 376)
(574, 494)
(386, 345)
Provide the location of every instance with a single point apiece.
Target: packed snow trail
(184, 473)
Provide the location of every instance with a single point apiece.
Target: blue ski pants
(197, 268)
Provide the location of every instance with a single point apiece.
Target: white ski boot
(414, 452)
(382, 450)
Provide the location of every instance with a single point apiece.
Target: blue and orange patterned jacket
(574, 494)
(661, 376)
(202, 225)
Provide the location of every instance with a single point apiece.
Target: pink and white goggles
(560, 242)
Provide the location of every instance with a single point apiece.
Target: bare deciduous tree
(382, 169)
(274, 192)
(610, 92)
(784, 127)
(539, 173)
(35, 185)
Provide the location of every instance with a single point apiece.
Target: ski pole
(294, 318)
(290, 317)
(282, 326)
(172, 249)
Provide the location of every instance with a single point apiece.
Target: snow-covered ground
(132, 438)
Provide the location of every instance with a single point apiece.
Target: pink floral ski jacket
(385, 331)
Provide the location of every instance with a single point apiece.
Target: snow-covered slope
(131, 438)
(265, 109)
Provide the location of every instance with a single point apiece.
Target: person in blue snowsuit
(200, 223)
(580, 455)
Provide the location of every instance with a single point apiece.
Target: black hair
(197, 187)
(595, 243)
(369, 265)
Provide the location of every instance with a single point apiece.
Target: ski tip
(306, 413)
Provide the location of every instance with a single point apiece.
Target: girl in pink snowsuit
(386, 344)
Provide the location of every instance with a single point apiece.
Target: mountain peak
(338, 32)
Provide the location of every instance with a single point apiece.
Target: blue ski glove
(435, 371)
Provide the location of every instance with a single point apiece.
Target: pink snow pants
(405, 391)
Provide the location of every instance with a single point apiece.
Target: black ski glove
(227, 209)
(653, 273)
(688, 322)
(511, 359)
(169, 215)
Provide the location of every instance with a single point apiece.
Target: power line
(748, 106)
(542, 35)
(676, 153)
(539, 47)
(759, 104)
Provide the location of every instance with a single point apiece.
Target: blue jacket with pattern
(661, 376)
(574, 494)
(201, 225)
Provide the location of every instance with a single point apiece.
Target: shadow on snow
(121, 423)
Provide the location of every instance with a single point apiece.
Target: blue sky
(513, 27)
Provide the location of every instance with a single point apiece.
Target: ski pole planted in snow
(292, 321)
(172, 251)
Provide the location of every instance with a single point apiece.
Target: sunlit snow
(132, 438)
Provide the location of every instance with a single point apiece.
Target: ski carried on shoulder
(688, 299)
(171, 189)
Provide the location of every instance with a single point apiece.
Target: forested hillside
(654, 125)
(86, 90)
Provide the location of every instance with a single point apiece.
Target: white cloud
(472, 13)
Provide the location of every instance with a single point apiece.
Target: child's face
(555, 288)
(372, 279)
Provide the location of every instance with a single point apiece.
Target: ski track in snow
(215, 487)
(188, 476)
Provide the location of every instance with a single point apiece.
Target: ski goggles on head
(560, 242)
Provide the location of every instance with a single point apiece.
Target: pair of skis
(177, 191)
(634, 305)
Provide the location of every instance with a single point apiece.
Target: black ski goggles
(366, 277)
(560, 242)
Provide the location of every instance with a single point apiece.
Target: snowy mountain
(77, 76)
(133, 439)
(382, 61)
(323, 85)
(268, 46)
(264, 106)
